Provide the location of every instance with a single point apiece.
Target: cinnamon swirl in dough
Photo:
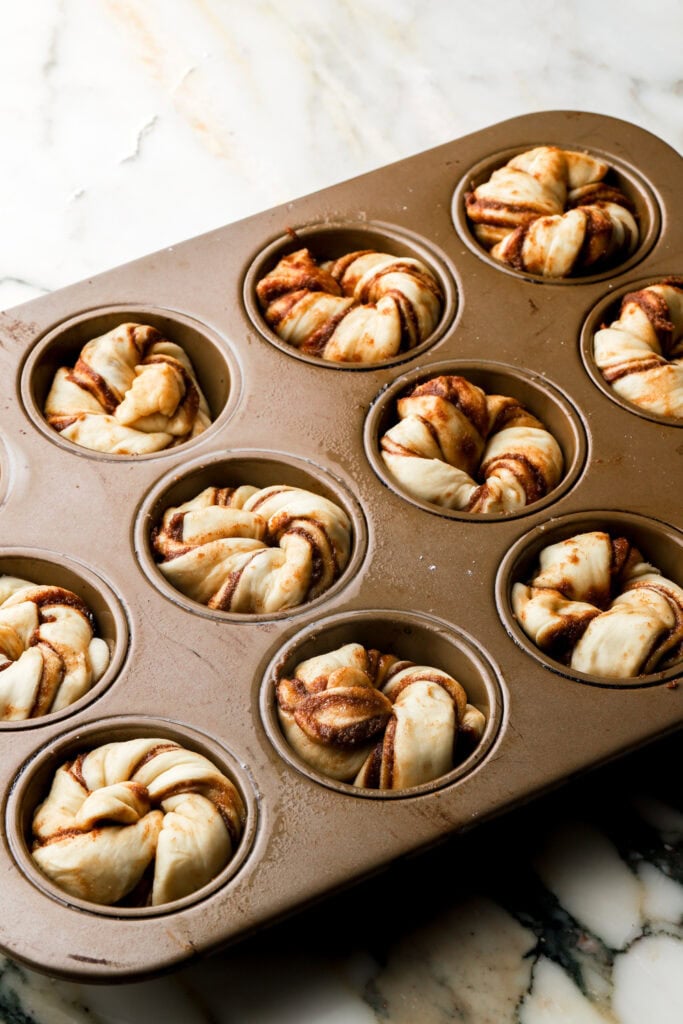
(131, 392)
(549, 211)
(597, 606)
(641, 353)
(362, 308)
(49, 655)
(364, 717)
(142, 822)
(248, 550)
(459, 448)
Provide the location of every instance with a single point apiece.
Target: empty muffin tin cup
(536, 394)
(623, 175)
(260, 469)
(330, 242)
(47, 568)
(35, 777)
(411, 636)
(657, 542)
(605, 312)
(215, 367)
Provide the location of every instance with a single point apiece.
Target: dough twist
(450, 430)
(49, 656)
(641, 353)
(597, 606)
(360, 716)
(145, 821)
(215, 548)
(548, 211)
(362, 308)
(131, 392)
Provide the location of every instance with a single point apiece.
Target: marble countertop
(131, 124)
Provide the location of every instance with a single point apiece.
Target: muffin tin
(423, 583)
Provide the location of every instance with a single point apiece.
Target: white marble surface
(130, 124)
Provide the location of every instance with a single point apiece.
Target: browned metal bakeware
(427, 585)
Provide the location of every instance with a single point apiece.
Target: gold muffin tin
(422, 583)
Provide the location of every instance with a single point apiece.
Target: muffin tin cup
(215, 367)
(330, 241)
(625, 176)
(602, 315)
(36, 776)
(658, 543)
(260, 469)
(433, 586)
(410, 636)
(48, 568)
(537, 394)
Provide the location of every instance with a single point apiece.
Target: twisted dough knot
(641, 353)
(596, 605)
(450, 430)
(49, 656)
(125, 811)
(360, 716)
(215, 548)
(131, 392)
(364, 307)
(548, 211)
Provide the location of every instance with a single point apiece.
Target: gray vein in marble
(142, 134)
(51, 58)
(574, 975)
(28, 998)
(559, 937)
(51, 65)
(33, 285)
(19, 289)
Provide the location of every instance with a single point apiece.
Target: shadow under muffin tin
(423, 584)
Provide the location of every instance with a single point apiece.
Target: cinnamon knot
(640, 354)
(362, 308)
(548, 211)
(596, 605)
(131, 392)
(143, 821)
(248, 550)
(361, 716)
(450, 433)
(49, 655)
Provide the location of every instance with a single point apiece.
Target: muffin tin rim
(68, 743)
(216, 339)
(6, 469)
(119, 654)
(571, 477)
(457, 637)
(589, 327)
(433, 255)
(152, 497)
(556, 529)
